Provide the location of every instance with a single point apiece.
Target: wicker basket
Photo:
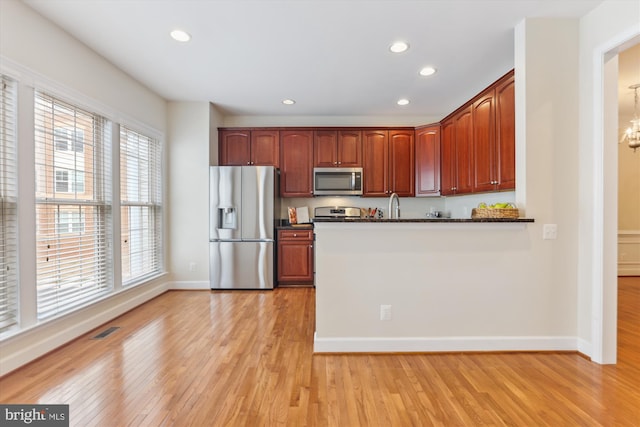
(495, 213)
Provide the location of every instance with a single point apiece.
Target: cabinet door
(484, 147)
(295, 256)
(402, 162)
(325, 148)
(448, 158)
(296, 163)
(506, 134)
(428, 161)
(375, 163)
(235, 147)
(265, 146)
(464, 151)
(349, 148)
(295, 262)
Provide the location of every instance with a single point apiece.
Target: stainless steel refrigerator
(243, 205)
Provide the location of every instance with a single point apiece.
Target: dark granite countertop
(418, 220)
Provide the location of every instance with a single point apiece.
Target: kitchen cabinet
(296, 163)
(388, 162)
(484, 144)
(337, 148)
(457, 153)
(506, 133)
(295, 257)
(249, 147)
(494, 137)
(428, 161)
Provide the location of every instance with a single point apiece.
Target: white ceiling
(331, 56)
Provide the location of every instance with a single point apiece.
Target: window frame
(146, 200)
(9, 283)
(74, 264)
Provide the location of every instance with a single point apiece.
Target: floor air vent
(106, 333)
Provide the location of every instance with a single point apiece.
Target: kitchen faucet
(394, 196)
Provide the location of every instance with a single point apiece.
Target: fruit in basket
(503, 205)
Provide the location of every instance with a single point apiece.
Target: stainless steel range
(337, 212)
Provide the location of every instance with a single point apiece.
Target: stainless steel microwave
(337, 181)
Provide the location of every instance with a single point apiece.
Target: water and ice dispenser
(228, 218)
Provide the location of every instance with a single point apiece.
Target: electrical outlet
(385, 312)
(193, 266)
(550, 231)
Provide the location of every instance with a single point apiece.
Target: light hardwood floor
(245, 359)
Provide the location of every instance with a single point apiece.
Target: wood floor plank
(246, 359)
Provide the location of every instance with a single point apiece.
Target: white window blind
(141, 206)
(73, 206)
(8, 205)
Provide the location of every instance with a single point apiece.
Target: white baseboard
(584, 347)
(39, 340)
(446, 344)
(190, 285)
(628, 253)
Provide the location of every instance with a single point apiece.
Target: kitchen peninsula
(427, 285)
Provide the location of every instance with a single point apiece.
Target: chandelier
(632, 134)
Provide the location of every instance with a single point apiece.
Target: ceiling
(331, 56)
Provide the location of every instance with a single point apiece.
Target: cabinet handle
(339, 163)
(295, 235)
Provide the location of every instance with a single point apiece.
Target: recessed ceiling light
(180, 36)
(427, 71)
(403, 101)
(288, 101)
(399, 47)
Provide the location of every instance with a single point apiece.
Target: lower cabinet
(295, 257)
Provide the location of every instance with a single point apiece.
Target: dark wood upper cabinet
(296, 163)
(375, 148)
(349, 148)
(428, 161)
(463, 137)
(325, 143)
(448, 171)
(249, 147)
(337, 148)
(388, 162)
(402, 162)
(234, 147)
(478, 142)
(506, 133)
(457, 153)
(265, 148)
(484, 147)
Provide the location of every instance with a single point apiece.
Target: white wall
(192, 125)
(504, 285)
(36, 52)
(605, 28)
(292, 121)
(452, 287)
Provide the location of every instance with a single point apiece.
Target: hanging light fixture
(632, 134)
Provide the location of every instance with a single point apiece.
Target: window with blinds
(141, 206)
(73, 206)
(8, 206)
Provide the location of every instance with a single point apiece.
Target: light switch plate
(385, 312)
(550, 231)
